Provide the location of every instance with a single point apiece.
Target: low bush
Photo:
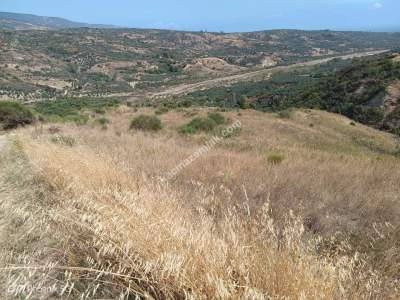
(161, 110)
(103, 121)
(14, 114)
(217, 117)
(198, 124)
(72, 109)
(100, 111)
(275, 158)
(146, 123)
(186, 129)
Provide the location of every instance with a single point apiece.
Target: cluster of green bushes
(146, 123)
(161, 110)
(73, 109)
(267, 95)
(14, 114)
(355, 91)
(203, 124)
(103, 122)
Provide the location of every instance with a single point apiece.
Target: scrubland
(304, 205)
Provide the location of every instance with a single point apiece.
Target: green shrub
(217, 117)
(198, 124)
(70, 109)
(14, 114)
(103, 121)
(275, 158)
(396, 132)
(185, 103)
(146, 123)
(211, 122)
(243, 102)
(100, 111)
(186, 129)
(78, 119)
(161, 110)
(203, 124)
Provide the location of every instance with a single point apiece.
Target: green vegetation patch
(146, 123)
(203, 124)
(161, 110)
(217, 118)
(356, 91)
(103, 121)
(72, 109)
(275, 158)
(13, 114)
(198, 124)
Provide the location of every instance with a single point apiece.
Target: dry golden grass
(88, 210)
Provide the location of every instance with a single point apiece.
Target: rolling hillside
(162, 165)
(368, 91)
(16, 21)
(99, 62)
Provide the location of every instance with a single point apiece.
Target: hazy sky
(221, 15)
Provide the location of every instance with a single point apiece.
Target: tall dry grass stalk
(101, 227)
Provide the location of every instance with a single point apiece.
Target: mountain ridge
(27, 21)
(20, 21)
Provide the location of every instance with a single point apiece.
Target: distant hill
(15, 21)
(37, 64)
(368, 91)
(364, 89)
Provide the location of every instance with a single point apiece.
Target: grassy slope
(92, 200)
